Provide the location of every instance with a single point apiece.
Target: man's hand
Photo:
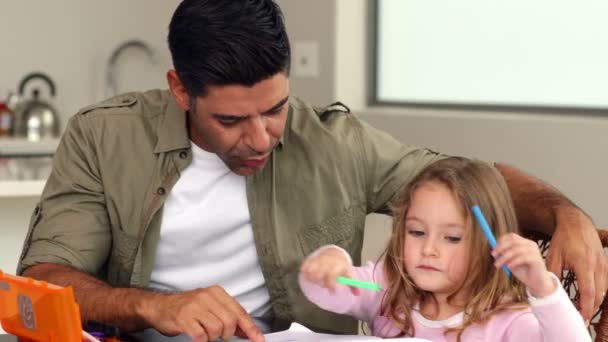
(203, 314)
(575, 245)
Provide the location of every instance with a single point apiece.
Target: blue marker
(486, 230)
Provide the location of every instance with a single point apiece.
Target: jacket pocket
(344, 229)
(122, 258)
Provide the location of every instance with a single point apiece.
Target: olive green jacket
(101, 208)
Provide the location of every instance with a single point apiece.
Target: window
(516, 53)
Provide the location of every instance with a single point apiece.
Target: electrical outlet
(305, 62)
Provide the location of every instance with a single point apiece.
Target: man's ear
(178, 90)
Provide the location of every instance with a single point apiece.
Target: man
(190, 211)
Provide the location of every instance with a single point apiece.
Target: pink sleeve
(554, 318)
(363, 307)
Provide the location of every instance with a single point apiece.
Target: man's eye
(229, 121)
(276, 111)
(453, 239)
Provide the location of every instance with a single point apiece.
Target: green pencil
(359, 283)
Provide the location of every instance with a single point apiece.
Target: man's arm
(575, 243)
(97, 300)
(203, 314)
(537, 203)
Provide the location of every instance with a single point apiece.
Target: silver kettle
(34, 118)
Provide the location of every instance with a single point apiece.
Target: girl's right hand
(325, 265)
(523, 258)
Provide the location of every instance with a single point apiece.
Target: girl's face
(435, 253)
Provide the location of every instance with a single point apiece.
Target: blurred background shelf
(21, 147)
(21, 188)
(25, 166)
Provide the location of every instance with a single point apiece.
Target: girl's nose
(430, 248)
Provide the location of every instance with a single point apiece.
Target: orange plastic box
(38, 311)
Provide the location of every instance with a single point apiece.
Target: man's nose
(258, 138)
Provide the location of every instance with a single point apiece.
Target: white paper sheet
(299, 333)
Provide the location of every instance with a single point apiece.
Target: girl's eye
(453, 239)
(414, 232)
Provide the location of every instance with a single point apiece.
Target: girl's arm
(574, 242)
(318, 283)
(553, 319)
(554, 316)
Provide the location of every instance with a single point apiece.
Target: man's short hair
(220, 42)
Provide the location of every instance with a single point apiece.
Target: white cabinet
(23, 147)
(24, 166)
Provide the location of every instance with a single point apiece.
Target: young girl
(439, 278)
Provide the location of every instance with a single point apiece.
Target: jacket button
(160, 191)
(183, 154)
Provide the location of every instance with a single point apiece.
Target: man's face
(242, 125)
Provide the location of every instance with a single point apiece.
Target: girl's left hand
(523, 258)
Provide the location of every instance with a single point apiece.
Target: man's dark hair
(220, 42)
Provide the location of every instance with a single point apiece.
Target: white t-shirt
(206, 236)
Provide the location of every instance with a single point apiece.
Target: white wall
(72, 40)
(351, 75)
(312, 21)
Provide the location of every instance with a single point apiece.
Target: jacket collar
(172, 129)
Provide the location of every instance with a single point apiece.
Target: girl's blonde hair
(472, 182)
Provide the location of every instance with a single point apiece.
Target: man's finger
(213, 326)
(555, 263)
(586, 288)
(227, 319)
(248, 329)
(601, 283)
(239, 332)
(196, 332)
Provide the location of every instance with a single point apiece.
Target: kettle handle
(39, 75)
